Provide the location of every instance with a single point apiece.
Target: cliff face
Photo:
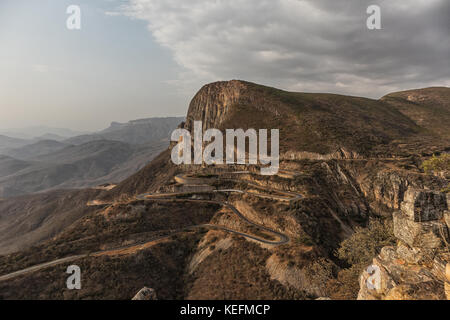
(320, 126)
(418, 266)
(214, 103)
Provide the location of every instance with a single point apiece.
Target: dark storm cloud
(317, 45)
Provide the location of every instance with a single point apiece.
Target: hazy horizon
(85, 131)
(23, 131)
(135, 59)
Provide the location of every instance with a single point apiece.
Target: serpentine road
(287, 196)
(168, 197)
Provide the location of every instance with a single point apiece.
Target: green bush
(365, 243)
(436, 164)
(358, 251)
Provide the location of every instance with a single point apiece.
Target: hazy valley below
(40, 163)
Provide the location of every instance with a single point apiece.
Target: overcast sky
(142, 58)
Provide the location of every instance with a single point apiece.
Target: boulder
(409, 254)
(378, 270)
(399, 280)
(423, 235)
(430, 290)
(145, 294)
(424, 205)
(440, 262)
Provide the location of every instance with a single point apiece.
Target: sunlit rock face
(429, 235)
(145, 294)
(214, 103)
(424, 205)
(419, 266)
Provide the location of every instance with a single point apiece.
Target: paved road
(169, 197)
(56, 262)
(186, 179)
(41, 266)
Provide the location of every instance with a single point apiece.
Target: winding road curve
(169, 197)
(185, 179)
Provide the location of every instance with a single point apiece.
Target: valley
(81, 161)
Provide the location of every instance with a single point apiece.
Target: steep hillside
(310, 125)
(227, 232)
(151, 177)
(85, 165)
(428, 107)
(26, 220)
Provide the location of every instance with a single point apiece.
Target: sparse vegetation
(305, 240)
(238, 272)
(358, 252)
(437, 164)
(112, 277)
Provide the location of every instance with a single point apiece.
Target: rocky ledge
(418, 267)
(145, 294)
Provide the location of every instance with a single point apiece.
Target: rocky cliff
(418, 266)
(214, 103)
(320, 126)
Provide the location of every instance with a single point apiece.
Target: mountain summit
(324, 123)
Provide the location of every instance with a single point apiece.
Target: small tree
(437, 164)
(358, 251)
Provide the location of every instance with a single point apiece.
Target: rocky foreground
(418, 267)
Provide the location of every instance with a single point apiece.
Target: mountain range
(28, 166)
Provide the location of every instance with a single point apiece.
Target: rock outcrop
(418, 267)
(424, 205)
(447, 282)
(145, 294)
(213, 103)
(425, 235)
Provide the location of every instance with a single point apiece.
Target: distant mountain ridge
(139, 131)
(7, 142)
(33, 150)
(109, 156)
(30, 133)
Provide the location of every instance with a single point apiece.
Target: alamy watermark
(74, 280)
(373, 282)
(374, 20)
(73, 22)
(213, 152)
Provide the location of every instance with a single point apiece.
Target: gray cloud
(316, 45)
